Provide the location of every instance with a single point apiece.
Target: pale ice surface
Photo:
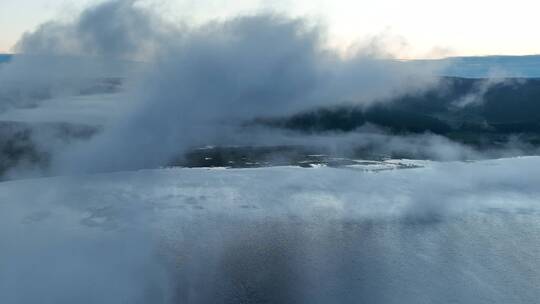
(450, 232)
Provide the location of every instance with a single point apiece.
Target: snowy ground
(444, 233)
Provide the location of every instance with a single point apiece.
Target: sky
(424, 28)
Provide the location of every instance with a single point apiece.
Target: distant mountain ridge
(496, 66)
(5, 58)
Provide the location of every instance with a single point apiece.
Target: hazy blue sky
(425, 28)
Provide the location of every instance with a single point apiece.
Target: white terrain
(451, 232)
